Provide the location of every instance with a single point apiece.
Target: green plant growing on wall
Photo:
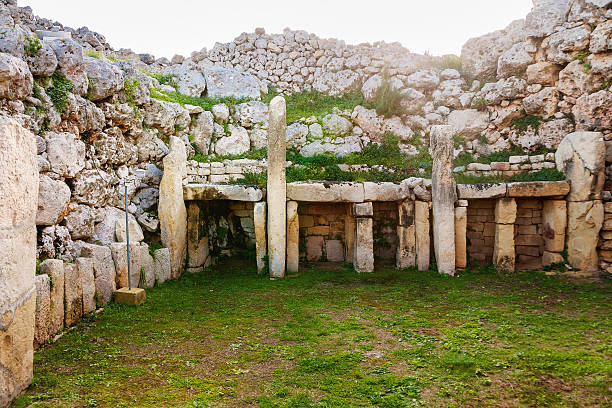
(59, 90)
(93, 54)
(130, 87)
(526, 121)
(32, 46)
(388, 99)
(583, 56)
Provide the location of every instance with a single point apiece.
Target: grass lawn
(334, 338)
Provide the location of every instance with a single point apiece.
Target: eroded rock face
(237, 142)
(337, 83)
(16, 81)
(594, 111)
(224, 82)
(53, 199)
(105, 79)
(66, 154)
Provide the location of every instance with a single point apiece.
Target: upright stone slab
(54, 268)
(119, 252)
(363, 252)
(461, 237)
(422, 228)
(197, 246)
(43, 310)
(18, 208)
(293, 237)
(554, 223)
(406, 247)
(504, 255)
(146, 266)
(162, 261)
(349, 233)
(171, 208)
(277, 188)
(261, 245)
(104, 270)
(73, 294)
(88, 284)
(584, 221)
(443, 197)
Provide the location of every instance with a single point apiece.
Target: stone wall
(480, 231)
(322, 231)
(528, 234)
(514, 165)
(384, 227)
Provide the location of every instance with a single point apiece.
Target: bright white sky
(169, 27)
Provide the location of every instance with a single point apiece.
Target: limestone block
(349, 233)
(197, 245)
(234, 192)
(406, 247)
(443, 197)
(538, 189)
(421, 223)
(162, 261)
(461, 237)
(314, 248)
(88, 284)
(136, 234)
(104, 270)
(329, 191)
(293, 237)
(171, 208)
(385, 191)
(581, 156)
(73, 294)
(505, 211)
(549, 258)
(481, 190)
(554, 222)
(363, 210)
(261, 247)
(405, 213)
(584, 221)
(146, 265)
(54, 268)
(277, 188)
(334, 250)
(119, 253)
(363, 254)
(503, 251)
(43, 310)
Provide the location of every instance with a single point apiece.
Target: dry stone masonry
(79, 120)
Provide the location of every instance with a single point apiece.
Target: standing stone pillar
(422, 228)
(460, 236)
(261, 246)
(363, 251)
(54, 268)
(504, 255)
(443, 197)
(554, 222)
(171, 208)
(277, 188)
(293, 237)
(581, 156)
(349, 233)
(406, 243)
(18, 207)
(197, 246)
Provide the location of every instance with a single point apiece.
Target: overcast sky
(169, 27)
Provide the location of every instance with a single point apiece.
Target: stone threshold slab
(233, 192)
(516, 189)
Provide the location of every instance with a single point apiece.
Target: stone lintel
(326, 191)
(538, 189)
(234, 192)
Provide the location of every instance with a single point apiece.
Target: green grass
(205, 103)
(335, 338)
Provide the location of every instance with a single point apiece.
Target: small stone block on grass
(132, 297)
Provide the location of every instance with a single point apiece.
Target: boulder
(514, 61)
(251, 113)
(16, 81)
(54, 268)
(423, 80)
(296, 134)
(337, 83)
(146, 265)
(162, 265)
(105, 79)
(66, 154)
(43, 310)
(104, 270)
(44, 63)
(80, 221)
(12, 41)
(543, 73)
(105, 230)
(562, 46)
(93, 187)
(136, 234)
(469, 123)
(225, 82)
(123, 276)
(575, 79)
(88, 283)
(336, 125)
(190, 80)
(601, 38)
(69, 55)
(593, 111)
(545, 16)
(543, 103)
(73, 294)
(584, 221)
(53, 199)
(237, 143)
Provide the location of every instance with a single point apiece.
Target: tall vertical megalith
(277, 188)
(261, 245)
(18, 207)
(293, 237)
(171, 208)
(443, 197)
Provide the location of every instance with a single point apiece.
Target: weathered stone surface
(197, 244)
(73, 294)
(293, 237)
(163, 265)
(385, 191)
(336, 125)
(88, 283)
(80, 221)
(136, 234)
(543, 73)
(277, 188)
(337, 83)
(481, 190)
(66, 154)
(503, 251)
(422, 233)
(461, 237)
(363, 210)
(593, 111)
(146, 264)
(233, 192)
(363, 252)
(549, 258)
(54, 268)
(505, 211)
(584, 221)
(538, 188)
(44, 63)
(171, 209)
(554, 222)
(131, 297)
(19, 187)
(314, 247)
(349, 233)
(237, 142)
(69, 55)
(105, 79)
(601, 38)
(406, 247)
(16, 81)
(574, 80)
(53, 199)
(261, 242)
(514, 61)
(405, 213)
(581, 156)
(443, 197)
(223, 82)
(469, 123)
(119, 253)
(545, 16)
(43, 310)
(336, 192)
(334, 250)
(104, 270)
(202, 128)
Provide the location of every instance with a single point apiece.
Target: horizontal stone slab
(481, 190)
(234, 192)
(385, 191)
(326, 191)
(538, 189)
